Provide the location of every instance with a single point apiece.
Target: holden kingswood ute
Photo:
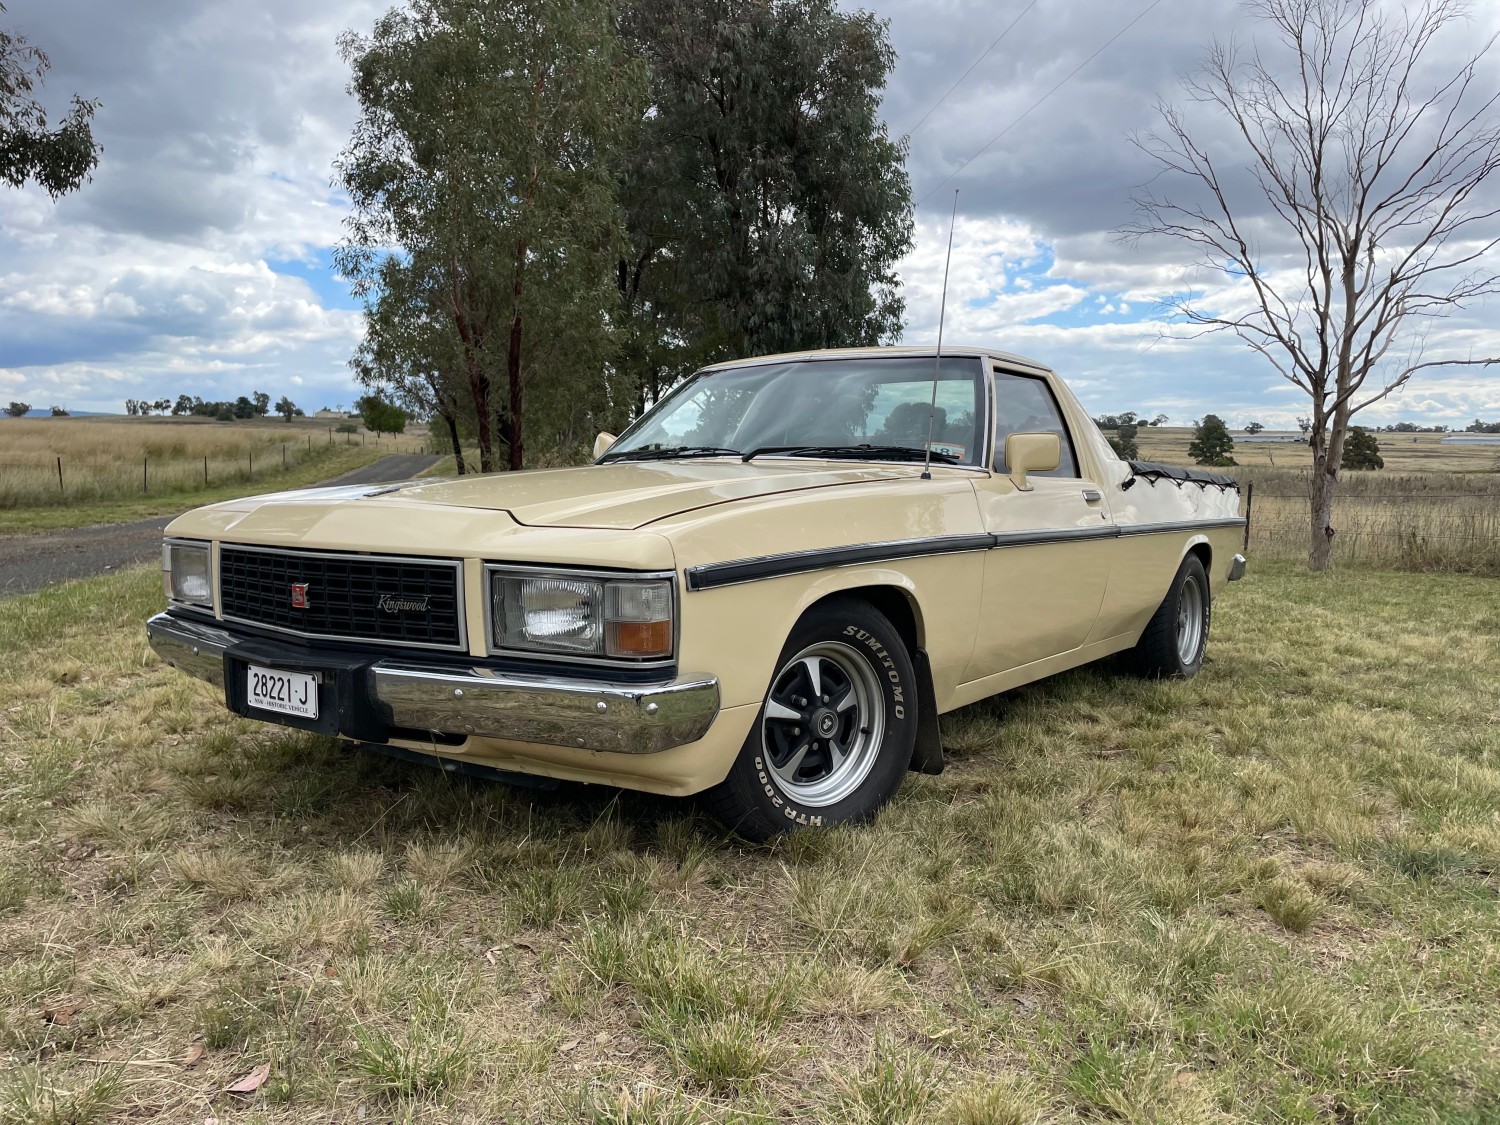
(766, 590)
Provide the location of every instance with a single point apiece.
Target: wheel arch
(1200, 546)
(898, 604)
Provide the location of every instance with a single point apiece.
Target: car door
(1044, 582)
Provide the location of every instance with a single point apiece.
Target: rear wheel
(835, 732)
(1177, 635)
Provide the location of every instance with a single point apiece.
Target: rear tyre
(1173, 644)
(835, 733)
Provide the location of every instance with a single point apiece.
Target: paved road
(29, 562)
(402, 466)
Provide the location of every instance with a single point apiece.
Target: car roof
(917, 351)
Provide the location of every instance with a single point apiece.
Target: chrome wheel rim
(1189, 620)
(823, 724)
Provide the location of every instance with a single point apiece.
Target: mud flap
(927, 753)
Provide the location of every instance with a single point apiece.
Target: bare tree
(1379, 180)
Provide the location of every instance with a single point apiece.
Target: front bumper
(379, 699)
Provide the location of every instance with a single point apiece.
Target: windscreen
(828, 402)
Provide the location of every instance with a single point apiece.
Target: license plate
(286, 693)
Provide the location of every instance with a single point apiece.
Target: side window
(1024, 405)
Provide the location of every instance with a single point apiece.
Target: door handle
(1092, 495)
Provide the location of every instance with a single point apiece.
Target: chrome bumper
(1236, 568)
(448, 699)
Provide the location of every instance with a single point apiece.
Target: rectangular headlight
(583, 615)
(185, 573)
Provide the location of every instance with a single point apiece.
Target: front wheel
(1177, 635)
(835, 732)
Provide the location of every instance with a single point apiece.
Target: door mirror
(602, 444)
(1031, 453)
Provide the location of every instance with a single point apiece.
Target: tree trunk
(1320, 545)
(479, 388)
(458, 450)
(513, 361)
(1328, 457)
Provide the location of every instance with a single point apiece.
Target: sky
(198, 258)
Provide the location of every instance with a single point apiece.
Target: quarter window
(1024, 404)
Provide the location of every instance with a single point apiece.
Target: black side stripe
(1185, 525)
(709, 575)
(712, 575)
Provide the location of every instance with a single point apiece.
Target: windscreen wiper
(667, 453)
(853, 452)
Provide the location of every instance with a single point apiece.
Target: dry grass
(104, 460)
(1269, 894)
(1433, 508)
(1403, 453)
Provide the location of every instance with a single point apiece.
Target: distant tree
(242, 408)
(1478, 427)
(162, 405)
(1364, 138)
(261, 402)
(132, 407)
(59, 412)
(1159, 420)
(184, 405)
(380, 416)
(18, 409)
(1362, 450)
(1253, 427)
(287, 408)
(58, 159)
(1122, 441)
(1304, 424)
(1212, 443)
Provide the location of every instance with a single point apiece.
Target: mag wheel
(835, 732)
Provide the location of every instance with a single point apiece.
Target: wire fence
(1415, 529)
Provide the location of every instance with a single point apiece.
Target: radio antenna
(937, 360)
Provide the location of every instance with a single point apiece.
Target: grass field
(1268, 894)
(1433, 507)
(104, 460)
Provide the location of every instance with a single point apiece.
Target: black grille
(344, 595)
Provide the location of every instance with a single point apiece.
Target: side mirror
(602, 444)
(1031, 453)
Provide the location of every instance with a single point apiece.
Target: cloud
(197, 259)
(1052, 192)
(219, 125)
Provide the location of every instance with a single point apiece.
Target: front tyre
(1173, 644)
(835, 733)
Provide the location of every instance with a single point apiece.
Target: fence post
(283, 455)
(59, 475)
(251, 455)
(144, 462)
(1249, 507)
(205, 472)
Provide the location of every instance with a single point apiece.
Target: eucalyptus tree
(767, 205)
(486, 155)
(1351, 200)
(57, 157)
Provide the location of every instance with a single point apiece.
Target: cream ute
(767, 589)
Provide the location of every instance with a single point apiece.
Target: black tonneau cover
(1153, 471)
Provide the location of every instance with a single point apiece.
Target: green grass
(1268, 894)
(322, 463)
